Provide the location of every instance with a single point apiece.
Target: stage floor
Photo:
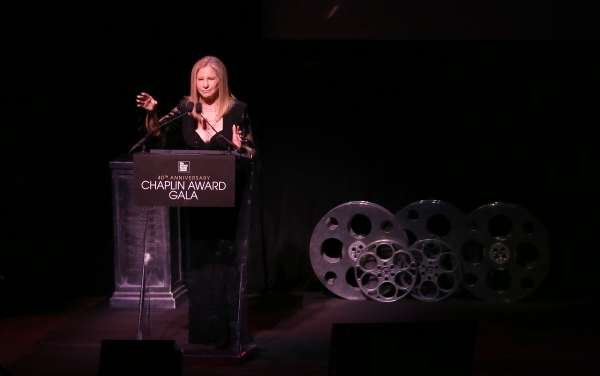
(293, 334)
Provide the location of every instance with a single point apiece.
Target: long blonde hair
(226, 100)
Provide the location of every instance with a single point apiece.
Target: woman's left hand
(237, 136)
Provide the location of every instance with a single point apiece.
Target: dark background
(382, 102)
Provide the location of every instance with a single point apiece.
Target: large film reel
(504, 252)
(439, 272)
(429, 219)
(386, 271)
(341, 236)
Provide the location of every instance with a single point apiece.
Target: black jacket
(180, 133)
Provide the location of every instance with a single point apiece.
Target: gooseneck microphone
(189, 107)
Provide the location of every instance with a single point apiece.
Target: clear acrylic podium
(197, 207)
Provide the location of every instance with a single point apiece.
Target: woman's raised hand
(146, 102)
(238, 140)
(237, 136)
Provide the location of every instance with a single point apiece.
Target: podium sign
(180, 179)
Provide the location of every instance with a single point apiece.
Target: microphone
(189, 107)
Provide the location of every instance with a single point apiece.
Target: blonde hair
(226, 100)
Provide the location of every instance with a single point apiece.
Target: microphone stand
(142, 142)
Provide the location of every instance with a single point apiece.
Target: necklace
(210, 124)
(211, 121)
(209, 108)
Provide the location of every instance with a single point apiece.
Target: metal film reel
(504, 251)
(341, 236)
(386, 271)
(429, 219)
(439, 272)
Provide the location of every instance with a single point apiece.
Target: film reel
(504, 251)
(341, 236)
(386, 271)
(439, 272)
(429, 219)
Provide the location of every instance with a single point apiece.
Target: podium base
(160, 300)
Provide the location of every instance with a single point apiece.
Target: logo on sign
(183, 166)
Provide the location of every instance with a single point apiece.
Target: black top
(181, 132)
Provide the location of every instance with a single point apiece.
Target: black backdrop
(379, 118)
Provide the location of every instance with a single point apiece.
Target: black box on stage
(409, 348)
(4, 372)
(140, 357)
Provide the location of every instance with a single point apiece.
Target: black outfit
(217, 241)
(187, 138)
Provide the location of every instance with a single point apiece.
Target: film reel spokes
(385, 271)
(504, 252)
(339, 239)
(429, 219)
(439, 272)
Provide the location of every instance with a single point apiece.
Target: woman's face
(207, 83)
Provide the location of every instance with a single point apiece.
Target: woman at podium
(215, 241)
(210, 118)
